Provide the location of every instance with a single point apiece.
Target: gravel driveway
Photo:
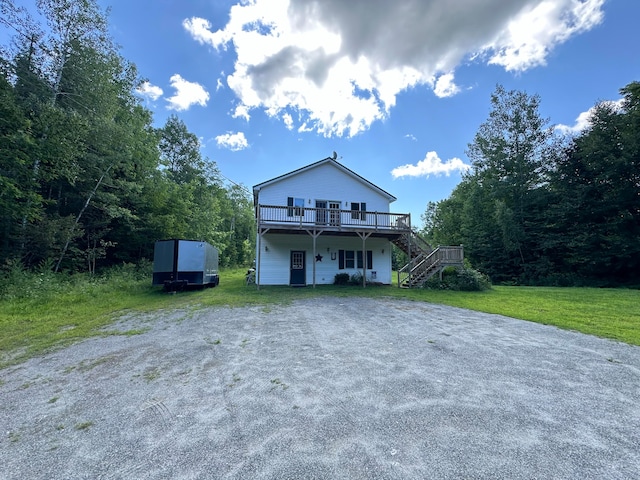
(325, 388)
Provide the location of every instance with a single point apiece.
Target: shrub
(18, 282)
(143, 270)
(341, 279)
(355, 279)
(465, 279)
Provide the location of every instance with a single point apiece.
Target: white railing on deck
(308, 217)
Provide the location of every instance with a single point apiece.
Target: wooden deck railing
(421, 268)
(451, 255)
(307, 217)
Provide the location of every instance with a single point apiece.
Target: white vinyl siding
(275, 258)
(325, 182)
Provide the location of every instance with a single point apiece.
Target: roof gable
(330, 161)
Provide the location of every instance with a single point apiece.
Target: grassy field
(55, 315)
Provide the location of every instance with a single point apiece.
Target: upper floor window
(296, 207)
(359, 211)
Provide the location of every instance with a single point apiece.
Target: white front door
(334, 213)
(321, 212)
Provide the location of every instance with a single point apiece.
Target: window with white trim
(350, 259)
(359, 211)
(296, 207)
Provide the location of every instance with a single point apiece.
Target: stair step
(409, 243)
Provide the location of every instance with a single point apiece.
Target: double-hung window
(359, 211)
(349, 259)
(296, 207)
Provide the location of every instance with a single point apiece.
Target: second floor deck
(297, 218)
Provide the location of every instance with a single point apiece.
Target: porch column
(261, 232)
(410, 259)
(364, 262)
(314, 234)
(314, 259)
(258, 267)
(364, 236)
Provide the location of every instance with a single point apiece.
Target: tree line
(544, 208)
(86, 180)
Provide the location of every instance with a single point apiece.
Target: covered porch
(333, 222)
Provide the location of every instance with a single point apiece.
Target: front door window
(297, 260)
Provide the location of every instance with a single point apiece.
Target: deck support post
(314, 234)
(258, 266)
(364, 236)
(261, 232)
(410, 236)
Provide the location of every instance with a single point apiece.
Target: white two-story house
(321, 220)
(324, 219)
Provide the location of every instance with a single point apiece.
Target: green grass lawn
(607, 312)
(57, 316)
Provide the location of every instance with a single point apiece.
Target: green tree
(104, 163)
(596, 189)
(241, 243)
(94, 148)
(180, 152)
(18, 200)
(72, 23)
(86, 180)
(511, 155)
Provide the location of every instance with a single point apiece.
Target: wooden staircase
(424, 260)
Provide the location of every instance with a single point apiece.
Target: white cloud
(288, 121)
(232, 141)
(430, 165)
(199, 28)
(411, 137)
(241, 111)
(187, 94)
(583, 121)
(538, 28)
(305, 128)
(341, 65)
(150, 91)
(445, 87)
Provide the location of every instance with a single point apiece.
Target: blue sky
(397, 88)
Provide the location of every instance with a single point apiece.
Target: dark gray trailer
(178, 264)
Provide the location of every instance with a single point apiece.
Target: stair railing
(405, 272)
(411, 274)
(422, 268)
(422, 244)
